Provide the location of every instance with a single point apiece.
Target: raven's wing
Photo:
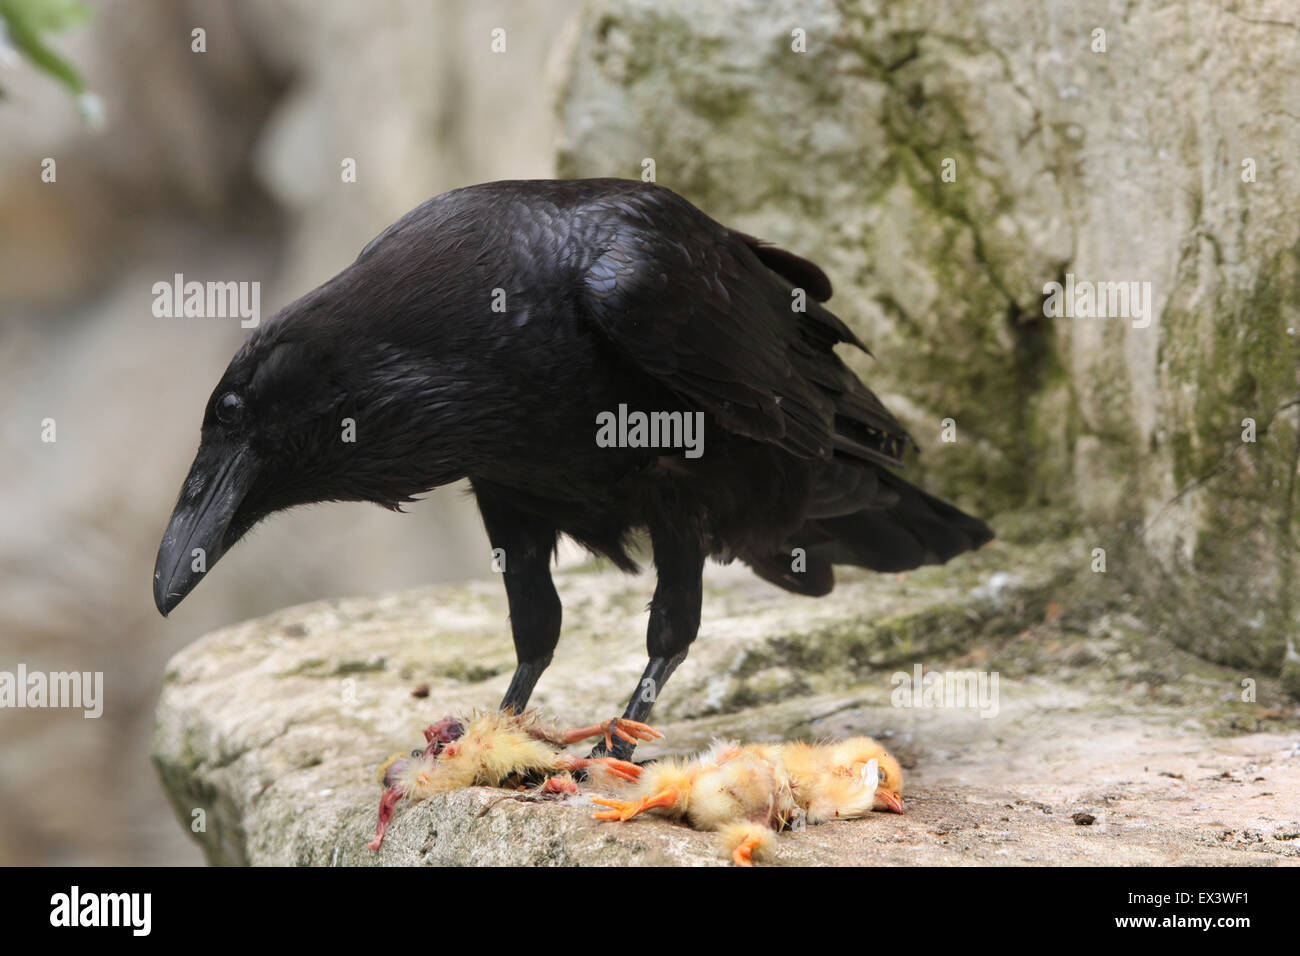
(703, 310)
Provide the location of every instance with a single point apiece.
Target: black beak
(198, 533)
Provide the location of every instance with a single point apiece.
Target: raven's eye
(228, 407)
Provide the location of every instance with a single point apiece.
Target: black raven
(554, 342)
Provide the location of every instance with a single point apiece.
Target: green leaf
(25, 20)
(45, 16)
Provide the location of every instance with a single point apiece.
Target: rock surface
(274, 728)
(1158, 153)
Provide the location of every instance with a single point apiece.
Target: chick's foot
(743, 855)
(627, 730)
(619, 768)
(624, 810)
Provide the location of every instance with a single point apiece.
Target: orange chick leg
(619, 768)
(624, 810)
(743, 855)
(629, 730)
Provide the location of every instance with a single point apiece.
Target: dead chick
(495, 749)
(746, 794)
(741, 792)
(843, 779)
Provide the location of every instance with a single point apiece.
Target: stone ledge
(274, 727)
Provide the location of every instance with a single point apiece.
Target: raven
(495, 333)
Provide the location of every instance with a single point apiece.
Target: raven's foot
(624, 810)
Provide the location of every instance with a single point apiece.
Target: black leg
(655, 676)
(526, 545)
(674, 623)
(523, 682)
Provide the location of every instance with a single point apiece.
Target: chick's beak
(890, 800)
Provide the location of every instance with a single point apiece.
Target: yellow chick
(748, 793)
(741, 792)
(497, 749)
(831, 781)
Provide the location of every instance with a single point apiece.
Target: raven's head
(310, 409)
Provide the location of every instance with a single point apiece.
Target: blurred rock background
(1122, 165)
(222, 165)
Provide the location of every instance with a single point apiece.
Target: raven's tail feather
(913, 529)
(916, 529)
